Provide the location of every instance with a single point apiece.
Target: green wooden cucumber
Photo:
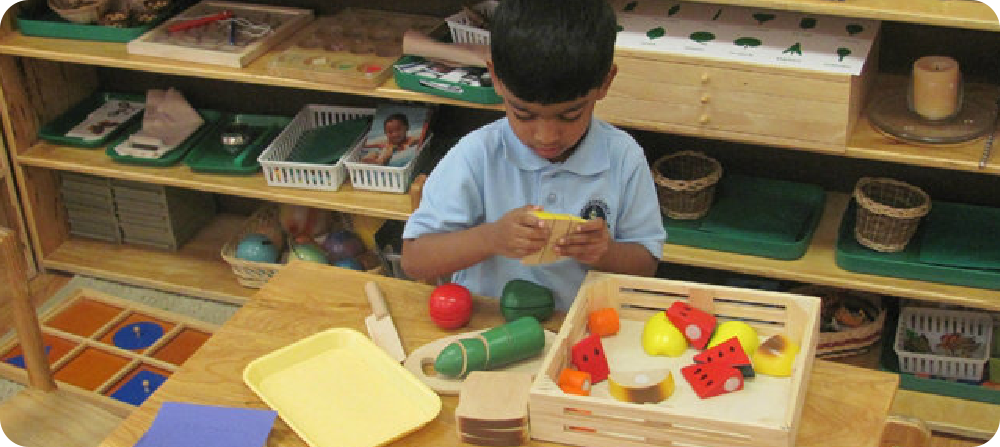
(492, 349)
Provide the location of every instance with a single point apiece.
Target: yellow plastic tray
(337, 389)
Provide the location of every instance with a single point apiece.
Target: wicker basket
(255, 274)
(845, 341)
(685, 184)
(889, 212)
(250, 273)
(89, 11)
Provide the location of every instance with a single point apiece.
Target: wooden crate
(766, 413)
(78, 335)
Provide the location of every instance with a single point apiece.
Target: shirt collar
(591, 156)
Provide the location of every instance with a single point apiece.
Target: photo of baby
(396, 135)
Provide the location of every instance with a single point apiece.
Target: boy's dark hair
(552, 51)
(401, 117)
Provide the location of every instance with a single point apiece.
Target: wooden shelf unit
(42, 77)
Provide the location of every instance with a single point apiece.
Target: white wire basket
(279, 172)
(462, 29)
(933, 323)
(372, 177)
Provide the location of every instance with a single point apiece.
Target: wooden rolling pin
(460, 54)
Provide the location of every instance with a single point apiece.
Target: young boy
(551, 62)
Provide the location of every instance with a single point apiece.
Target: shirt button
(552, 198)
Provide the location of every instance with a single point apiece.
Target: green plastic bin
(210, 156)
(211, 118)
(55, 130)
(908, 263)
(754, 216)
(441, 87)
(43, 22)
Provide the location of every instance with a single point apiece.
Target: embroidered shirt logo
(595, 208)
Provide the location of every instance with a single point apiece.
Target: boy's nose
(547, 133)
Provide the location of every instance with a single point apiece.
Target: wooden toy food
(517, 340)
(775, 356)
(559, 226)
(696, 324)
(729, 353)
(640, 387)
(746, 334)
(711, 379)
(661, 337)
(522, 298)
(450, 306)
(576, 382)
(603, 322)
(588, 355)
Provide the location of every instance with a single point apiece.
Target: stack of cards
(493, 408)
(561, 225)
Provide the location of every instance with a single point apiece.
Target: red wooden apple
(450, 306)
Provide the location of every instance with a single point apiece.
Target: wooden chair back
(15, 293)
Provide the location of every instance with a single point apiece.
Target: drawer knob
(704, 78)
(704, 119)
(705, 98)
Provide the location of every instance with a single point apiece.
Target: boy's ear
(603, 90)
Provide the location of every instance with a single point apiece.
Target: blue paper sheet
(182, 425)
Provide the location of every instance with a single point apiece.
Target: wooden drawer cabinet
(788, 107)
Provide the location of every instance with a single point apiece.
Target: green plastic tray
(852, 256)
(55, 130)
(438, 87)
(754, 216)
(890, 362)
(211, 118)
(210, 156)
(43, 22)
(326, 144)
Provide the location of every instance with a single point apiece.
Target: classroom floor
(45, 287)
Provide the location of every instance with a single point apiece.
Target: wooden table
(845, 405)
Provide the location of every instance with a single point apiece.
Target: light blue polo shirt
(490, 172)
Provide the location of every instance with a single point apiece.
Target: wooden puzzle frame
(95, 345)
(148, 44)
(308, 58)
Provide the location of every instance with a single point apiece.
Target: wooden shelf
(197, 269)
(865, 143)
(818, 266)
(109, 54)
(949, 414)
(96, 162)
(969, 14)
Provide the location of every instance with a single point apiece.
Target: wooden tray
(766, 413)
(188, 46)
(86, 359)
(356, 47)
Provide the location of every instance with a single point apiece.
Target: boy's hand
(519, 233)
(587, 242)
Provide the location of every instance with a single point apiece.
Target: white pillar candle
(935, 87)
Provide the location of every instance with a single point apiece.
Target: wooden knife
(380, 327)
